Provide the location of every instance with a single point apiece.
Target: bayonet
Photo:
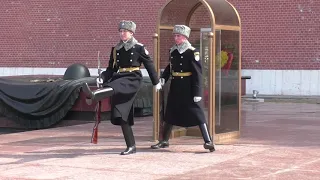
(99, 65)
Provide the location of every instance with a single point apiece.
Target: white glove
(162, 81)
(197, 99)
(158, 87)
(99, 81)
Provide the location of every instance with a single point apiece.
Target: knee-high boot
(98, 94)
(164, 143)
(208, 144)
(129, 138)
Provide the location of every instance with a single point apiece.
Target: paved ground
(278, 141)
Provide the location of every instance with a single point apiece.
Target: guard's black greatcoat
(126, 84)
(181, 109)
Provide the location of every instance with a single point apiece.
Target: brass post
(239, 81)
(156, 108)
(211, 109)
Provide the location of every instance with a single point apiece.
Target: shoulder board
(140, 44)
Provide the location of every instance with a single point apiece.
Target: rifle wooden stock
(94, 137)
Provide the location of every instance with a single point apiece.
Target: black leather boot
(165, 140)
(98, 94)
(208, 144)
(129, 138)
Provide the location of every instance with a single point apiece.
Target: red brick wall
(281, 34)
(48, 33)
(45, 33)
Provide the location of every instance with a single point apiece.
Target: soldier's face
(178, 38)
(125, 35)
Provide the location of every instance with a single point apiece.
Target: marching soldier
(183, 104)
(122, 80)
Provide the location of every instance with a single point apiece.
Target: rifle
(162, 112)
(97, 117)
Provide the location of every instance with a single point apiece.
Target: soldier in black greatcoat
(183, 105)
(123, 79)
